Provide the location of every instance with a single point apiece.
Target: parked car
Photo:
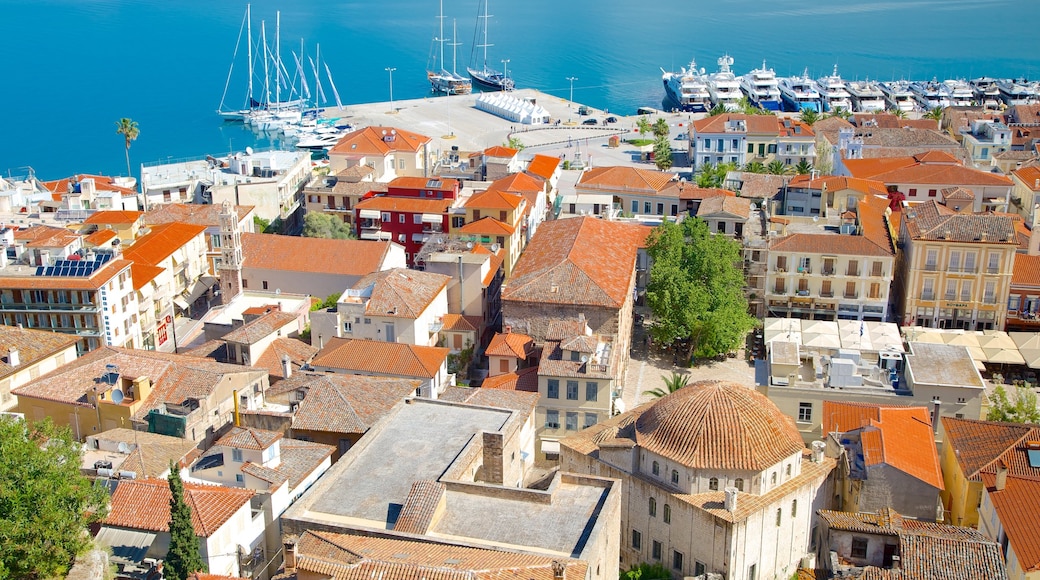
(592, 121)
(681, 137)
(610, 119)
(583, 110)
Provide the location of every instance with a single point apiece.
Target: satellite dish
(249, 150)
(584, 358)
(123, 448)
(117, 396)
(815, 218)
(277, 291)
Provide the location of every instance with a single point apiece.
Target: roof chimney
(817, 451)
(507, 329)
(286, 366)
(14, 358)
(559, 570)
(1001, 477)
(290, 553)
(935, 414)
(731, 499)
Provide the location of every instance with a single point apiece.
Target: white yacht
(866, 96)
(687, 88)
(799, 93)
(959, 92)
(724, 86)
(930, 94)
(762, 88)
(986, 92)
(898, 96)
(1018, 92)
(833, 91)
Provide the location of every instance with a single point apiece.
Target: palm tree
(777, 167)
(129, 130)
(841, 112)
(673, 382)
(717, 110)
(803, 167)
(755, 167)
(660, 128)
(808, 116)
(935, 114)
(898, 112)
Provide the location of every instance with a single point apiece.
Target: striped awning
(432, 218)
(369, 214)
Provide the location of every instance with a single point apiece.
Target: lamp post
(391, 70)
(572, 79)
(505, 69)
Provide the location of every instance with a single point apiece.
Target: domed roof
(718, 425)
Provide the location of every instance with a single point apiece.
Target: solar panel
(39, 271)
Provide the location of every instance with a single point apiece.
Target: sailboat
(442, 81)
(487, 77)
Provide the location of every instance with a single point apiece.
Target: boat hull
(489, 80)
(675, 103)
(793, 106)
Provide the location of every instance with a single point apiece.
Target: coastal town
(773, 329)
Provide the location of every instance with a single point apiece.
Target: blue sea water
(73, 67)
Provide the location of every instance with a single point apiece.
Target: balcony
(927, 295)
(949, 296)
(802, 293)
(827, 271)
(989, 299)
(805, 269)
(852, 272)
(58, 307)
(826, 293)
(992, 270)
(931, 267)
(877, 273)
(851, 296)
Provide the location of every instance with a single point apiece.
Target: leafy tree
(646, 571)
(660, 128)
(777, 167)
(717, 110)
(1021, 410)
(696, 289)
(808, 116)
(714, 175)
(330, 301)
(673, 382)
(662, 153)
(824, 157)
(935, 114)
(755, 167)
(841, 112)
(514, 143)
(130, 131)
(898, 112)
(260, 224)
(643, 124)
(321, 225)
(183, 557)
(803, 167)
(45, 503)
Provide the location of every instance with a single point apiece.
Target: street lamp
(572, 79)
(391, 70)
(505, 68)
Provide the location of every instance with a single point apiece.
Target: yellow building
(496, 217)
(973, 449)
(955, 266)
(1026, 192)
(1009, 515)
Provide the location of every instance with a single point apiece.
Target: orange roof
(144, 504)
(1029, 175)
(92, 282)
(762, 124)
(500, 151)
(385, 358)
(1026, 271)
(543, 166)
(488, 226)
(405, 204)
(101, 183)
(931, 168)
(114, 217)
(100, 237)
(901, 437)
(143, 274)
(161, 242)
(511, 344)
(494, 199)
(312, 255)
(522, 380)
(428, 183)
(1018, 507)
(981, 445)
(631, 179)
(460, 323)
(519, 183)
(835, 183)
(379, 141)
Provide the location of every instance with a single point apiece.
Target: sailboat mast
(454, 44)
(485, 33)
(278, 57)
(440, 35)
(267, 80)
(249, 51)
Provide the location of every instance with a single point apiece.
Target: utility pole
(391, 70)
(572, 79)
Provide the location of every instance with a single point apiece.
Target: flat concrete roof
(942, 364)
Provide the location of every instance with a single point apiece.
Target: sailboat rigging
(441, 80)
(485, 76)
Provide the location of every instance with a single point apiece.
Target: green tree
(840, 112)
(260, 224)
(660, 128)
(330, 301)
(777, 167)
(898, 112)
(46, 505)
(935, 114)
(514, 143)
(803, 167)
(696, 289)
(663, 153)
(1021, 410)
(320, 225)
(673, 382)
(713, 176)
(808, 116)
(183, 557)
(717, 110)
(755, 167)
(130, 131)
(643, 124)
(646, 571)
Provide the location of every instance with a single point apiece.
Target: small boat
(832, 90)
(986, 92)
(688, 88)
(959, 92)
(762, 88)
(724, 87)
(799, 93)
(442, 80)
(866, 96)
(930, 94)
(898, 96)
(485, 76)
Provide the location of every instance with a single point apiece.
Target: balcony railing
(949, 296)
(931, 267)
(827, 271)
(55, 307)
(927, 295)
(826, 294)
(989, 299)
(853, 295)
(805, 269)
(852, 272)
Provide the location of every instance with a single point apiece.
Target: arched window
(794, 508)
(713, 484)
(739, 484)
(667, 514)
(653, 508)
(656, 468)
(772, 478)
(779, 515)
(788, 471)
(675, 476)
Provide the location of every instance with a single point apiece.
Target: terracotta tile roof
(43, 236)
(1018, 507)
(215, 349)
(164, 239)
(543, 166)
(100, 237)
(629, 179)
(389, 358)
(980, 445)
(839, 244)
(144, 504)
(301, 458)
(249, 438)
(1026, 271)
(460, 323)
(519, 183)
(419, 507)
(401, 293)
(101, 183)
(734, 206)
(525, 380)
(495, 199)
(578, 261)
(957, 194)
(718, 425)
(202, 576)
(344, 403)
(511, 344)
(373, 141)
(760, 185)
(932, 221)
(405, 204)
(312, 255)
(92, 282)
(299, 353)
(687, 191)
(112, 217)
(755, 124)
(835, 183)
(425, 183)
(898, 436)
(500, 151)
(487, 226)
(260, 328)
(1029, 176)
(152, 452)
(347, 557)
(889, 121)
(33, 346)
(198, 214)
(933, 167)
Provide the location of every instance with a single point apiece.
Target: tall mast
(440, 35)
(278, 57)
(249, 47)
(454, 43)
(267, 80)
(485, 33)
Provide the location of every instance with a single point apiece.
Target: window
(713, 484)
(931, 258)
(955, 261)
(677, 560)
(553, 388)
(805, 412)
(739, 484)
(637, 539)
(646, 207)
(667, 514)
(912, 192)
(660, 209)
(572, 421)
(239, 478)
(591, 419)
(675, 476)
(794, 508)
(236, 455)
(591, 391)
(655, 468)
(707, 143)
(698, 568)
(575, 356)
(635, 206)
(1013, 302)
(993, 263)
(572, 390)
(264, 284)
(787, 470)
(655, 550)
(779, 516)
(384, 216)
(932, 192)
(859, 548)
(652, 507)
(772, 478)
(348, 327)
(752, 571)
(417, 219)
(502, 216)
(552, 419)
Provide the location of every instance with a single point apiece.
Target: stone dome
(718, 425)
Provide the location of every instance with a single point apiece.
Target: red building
(411, 211)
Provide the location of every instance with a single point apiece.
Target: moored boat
(799, 93)
(762, 88)
(866, 96)
(484, 75)
(898, 96)
(833, 92)
(724, 87)
(688, 88)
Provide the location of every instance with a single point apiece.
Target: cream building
(28, 354)
(955, 268)
(715, 481)
(388, 151)
(1026, 192)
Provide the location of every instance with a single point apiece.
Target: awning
(200, 287)
(369, 214)
(432, 218)
(550, 446)
(128, 546)
(181, 303)
(376, 235)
